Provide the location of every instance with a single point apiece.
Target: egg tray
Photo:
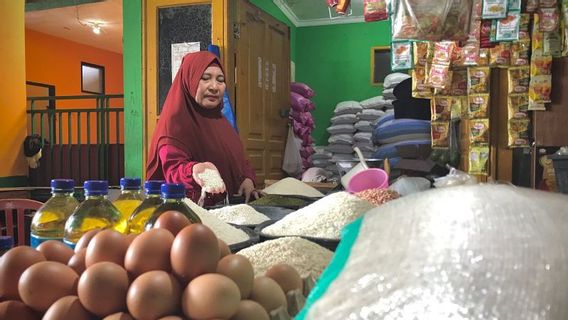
(253, 239)
(330, 244)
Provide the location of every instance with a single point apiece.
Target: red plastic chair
(19, 208)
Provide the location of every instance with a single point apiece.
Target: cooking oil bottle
(172, 195)
(48, 222)
(96, 212)
(129, 199)
(152, 200)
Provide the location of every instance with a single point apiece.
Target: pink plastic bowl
(368, 179)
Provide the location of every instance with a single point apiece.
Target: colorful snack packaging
(419, 86)
(478, 106)
(532, 5)
(500, 55)
(375, 10)
(401, 55)
(440, 134)
(494, 9)
(518, 106)
(508, 28)
(478, 80)
(457, 22)
(441, 108)
(458, 104)
(514, 5)
(459, 83)
(478, 161)
(549, 19)
(541, 65)
(518, 132)
(474, 31)
(443, 52)
(419, 20)
(540, 88)
(439, 76)
(483, 59)
(479, 131)
(470, 53)
(485, 34)
(422, 52)
(537, 35)
(520, 53)
(519, 80)
(342, 6)
(547, 3)
(552, 44)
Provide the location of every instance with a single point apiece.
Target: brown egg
(210, 296)
(154, 243)
(223, 249)
(250, 310)
(286, 276)
(239, 269)
(268, 293)
(77, 261)
(46, 282)
(103, 287)
(174, 221)
(153, 295)
(172, 318)
(54, 250)
(12, 264)
(85, 239)
(68, 307)
(13, 309)
(119, 316)
(107, 245)
(195, 251)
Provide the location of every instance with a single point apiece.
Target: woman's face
(211, 88)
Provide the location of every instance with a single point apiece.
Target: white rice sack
(341, 139)
(393, 79)
(364, 126)
(321, 163)
(320, 153)
(388, 94)
(342, 156)
(341, 128)
(349, 118)
(377, 102)
(346, 107)
(370, 114)
(339, 148)
(363, 137)
(365, 146)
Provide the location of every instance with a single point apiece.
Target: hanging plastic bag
(292, 163)
(375, 10)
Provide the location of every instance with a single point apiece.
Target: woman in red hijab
(192, 135)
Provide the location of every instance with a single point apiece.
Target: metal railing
(82, 136)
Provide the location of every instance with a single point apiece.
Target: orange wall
(56, 61)
(12, 89)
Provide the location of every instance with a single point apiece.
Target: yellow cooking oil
(142, 213)
(96, 212)
(173, 195)
(129, 199)
(48, 223)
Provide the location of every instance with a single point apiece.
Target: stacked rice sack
(302, 120)
(342, 130)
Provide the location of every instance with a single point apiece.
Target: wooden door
(154, 84)
(262, 59)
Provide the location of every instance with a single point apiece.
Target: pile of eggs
(173, 271)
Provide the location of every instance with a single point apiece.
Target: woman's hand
(247, 188)
(207, 176)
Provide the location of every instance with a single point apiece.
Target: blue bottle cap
(62, 185)
(173, 190)
(153, 186)
(130, 183)
(6, 242)
(96, 187)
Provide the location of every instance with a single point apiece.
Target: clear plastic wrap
(469, 252)
(432, 20)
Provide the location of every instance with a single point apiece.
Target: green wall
(133, 112)
(335, 61)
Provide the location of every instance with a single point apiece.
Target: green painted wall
(335, 61)
(133, 112)
(269, 7)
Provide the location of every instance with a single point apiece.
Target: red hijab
(204, 134)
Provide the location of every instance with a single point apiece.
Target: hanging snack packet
(520, 53)
(401, 55)
(457, 22)
(459, 83)
(518, 132)
(500, 55)
(479, 132)
(332, 3)
(419, 20)
(549, 19)
(458, 58)
(508, 28)
(419, 87)
(342, 6)
(470, 53)
(443, 51)
(537, 35)
(440, 134)
(519, 80)
(439, 76)
(478, 106)
(474, 31)
(541, 65)
(458, 104)
(532, 5)
(552, 44)
(518, 106)
(441, 108)
(375, 10)
(514, 5)
(494, 9)
(483, 59)
(423, 52)
(478, 80)
(485, 34)
(478, 161)
(547, 3)
(524, 26)
(540, 88)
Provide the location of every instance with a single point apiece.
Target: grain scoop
(362, 165)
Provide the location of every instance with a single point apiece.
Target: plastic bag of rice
(240, 214)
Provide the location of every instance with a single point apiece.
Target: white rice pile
(290, 186)
(211, 180)
(223, 231)
(240, 214)
(324, 218)
(305, 256)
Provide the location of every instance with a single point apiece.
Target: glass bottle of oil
(143, 212)
(129, 199)
(48, 222)
(172, 195)
(96, 212)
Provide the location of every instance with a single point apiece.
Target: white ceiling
(72, 22)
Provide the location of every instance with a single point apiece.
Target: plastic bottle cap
(130, 183)
(6, 242)
(62, 184)
(96, 187)
(153, 186)
(173, 190)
